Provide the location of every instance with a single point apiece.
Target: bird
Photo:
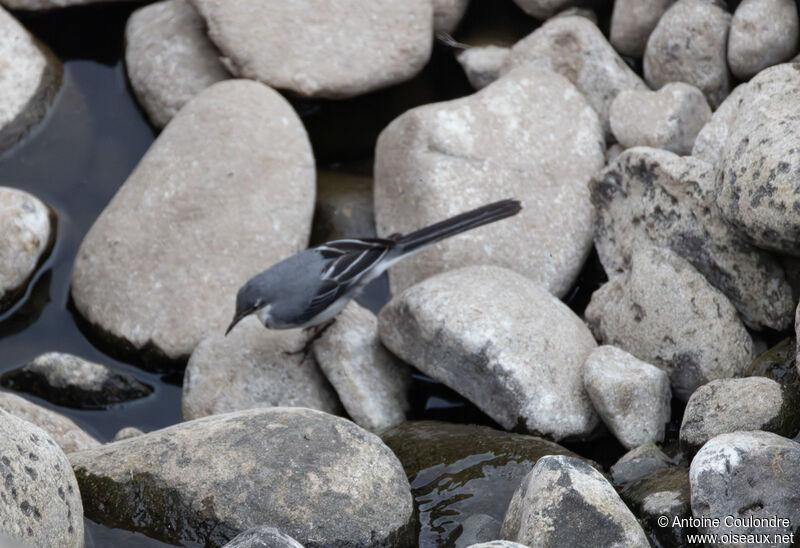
(310, 288)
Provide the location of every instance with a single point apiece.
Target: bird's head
(251, 298)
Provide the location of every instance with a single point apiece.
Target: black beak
(236, 319)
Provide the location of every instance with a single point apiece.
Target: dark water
(94, 137)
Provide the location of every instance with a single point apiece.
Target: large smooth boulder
(631, 396)
(225, 191)
(749, 477)
(68, 435)
(371, 383)
(731, 405)
(28, 232)
(435, 161)
(254, 367)
(41, 505)
(563, 501)
(319, 49)
(169, 58)
(653, 197)
(70, 381)
(320, 479)
(763, 33)
(575, 48)
(501, 341)
(757, 186)
(665, 313)
(689, 44)
(29, 81)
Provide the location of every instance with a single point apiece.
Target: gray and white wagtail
(308, 289)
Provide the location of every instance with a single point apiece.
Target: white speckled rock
(664, 312)
(70, 381)
(747, 475)
(29, 80)
(653, 197)
(757, 185)
(763, 33)
(631, 396)
(41, 503)
(226, 190)
(731, 405)
(253, 367)
(501, 341)
(632, 21)
(689, 45)
(371, 383)
(436, 160)
(447, 14)
(574, 47)
(315, 50)
(318, 478)
(169, 58)
(27, 234)
(68, 435)
(543, 9)
(483, 64)
(263, 537)
(710, 142)
(563, 501)
(669, 118)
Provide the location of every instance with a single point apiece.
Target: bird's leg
(315, 331)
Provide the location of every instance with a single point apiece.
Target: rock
(501, 341)
(483, 64)
(778, 363)
(632, 21)
(45, 5)
(127, 433)
(612, 152)
(638, 463)
(747, 475)
(499, 544)
(68, 435)
(28, 234)
(318, 478)
(662, 493)
(263, 537)
(344, 207)
(574, 47)
(460, 471)
(710, 142)
(478, 528)
(310, 49)
(669, 118)
(652, 197)
(763, 33)
(169, 58)
(731, 405)
(689, 45)
(156, 273)
(543, 9)
(664, 312)
(447, 14)
(70, 381)
(29, 83)
(757, 182)
(631, 396)
(41, 503)
(254, 367)
(371, 383)
(433, 162)
(563, 501)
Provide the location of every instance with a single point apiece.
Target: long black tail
(458, 224)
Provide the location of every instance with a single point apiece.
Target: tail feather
(456, 225)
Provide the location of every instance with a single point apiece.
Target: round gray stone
(763, 33)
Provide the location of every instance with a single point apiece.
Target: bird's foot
(315, 332)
